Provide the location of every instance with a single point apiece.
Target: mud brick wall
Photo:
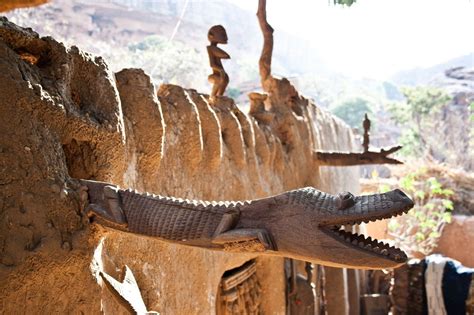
(65, 115)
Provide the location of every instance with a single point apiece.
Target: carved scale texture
(172, 218)
(312, 199)
(376, 202)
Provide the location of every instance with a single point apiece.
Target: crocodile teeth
(370, 244)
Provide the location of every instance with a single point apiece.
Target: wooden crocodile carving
(304, 224)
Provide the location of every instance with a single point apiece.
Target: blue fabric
(456, 283)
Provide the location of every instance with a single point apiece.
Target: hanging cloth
(456, 283)
(433, 284)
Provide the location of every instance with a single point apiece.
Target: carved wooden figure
(366, 125)
(357, 158)
(265, 61)
(303, 224)
(219, 78)
(257, 108)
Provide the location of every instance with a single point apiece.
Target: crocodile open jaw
(342, 231)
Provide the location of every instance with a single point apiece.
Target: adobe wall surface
(456, 240)
(64, 115)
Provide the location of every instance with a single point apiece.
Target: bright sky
(376, 38)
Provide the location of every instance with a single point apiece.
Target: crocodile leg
(241, 239)
(248, 240)
(104, 205)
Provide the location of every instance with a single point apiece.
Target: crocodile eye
(344, 200)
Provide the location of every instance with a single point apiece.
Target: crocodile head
(311, 225)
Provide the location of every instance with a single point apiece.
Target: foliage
(352, 111)
(170, 62)
(344, 2)
(416, 116)
(392, 92)
(419, 230)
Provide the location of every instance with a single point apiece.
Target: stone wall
(64, 115)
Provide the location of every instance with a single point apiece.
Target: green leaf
(447, 217)
(447, 192)
(344, 2)
(435, 186)
(448, 204)
(407, 182)
(430, 206)
(352, 111)
(384, 188)
(420, 194)
(419, 236)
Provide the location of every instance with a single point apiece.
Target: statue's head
(217, 34)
